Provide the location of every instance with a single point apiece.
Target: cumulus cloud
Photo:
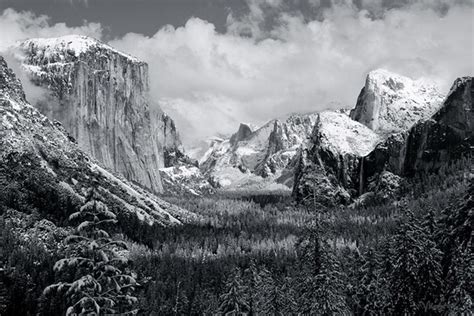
(209, 81)
(17, 26)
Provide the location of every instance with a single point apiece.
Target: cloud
(210, 81)
(17, 26)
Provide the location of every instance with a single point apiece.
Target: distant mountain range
(97, 106)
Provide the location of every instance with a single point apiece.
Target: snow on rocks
(343, 135)
(255, 158)
(391, 103)
(33, 147)
(61, 49)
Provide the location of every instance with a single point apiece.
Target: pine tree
(370, 288)
(95, 275)
(415, 280)
(233, 301)
(272, 297)
(460, 280)
(321, 287)
(3, 288)
(458, 262)
(253, 282)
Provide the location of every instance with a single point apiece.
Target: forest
(247, 255)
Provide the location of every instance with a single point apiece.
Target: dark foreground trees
(94, 275)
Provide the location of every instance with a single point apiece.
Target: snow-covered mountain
(430, 144)
(391, 103)
(327, 168)
(255, 158)
(411, 130)
(100, 95)
(40, 161)
(185, 179)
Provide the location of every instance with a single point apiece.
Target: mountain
(327, 169)
(412, 132)
(430, 144)
(256, 158)
(185, 179)
(391, 103)
(100, 96)
(43, 170)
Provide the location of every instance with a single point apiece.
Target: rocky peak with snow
(39, 161)
(242, 133)
(427, 146)
(391, 103)
(100, 95)
(256, 158)
(327, 169)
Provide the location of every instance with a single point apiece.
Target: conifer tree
(233, 300)
(94, 273)
(415, 280)
(254, 285)
(458, 261)
(272, 296)
(321, 287)
(371, 288)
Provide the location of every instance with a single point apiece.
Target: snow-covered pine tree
(371, 290)
(253, 282)
(458, 262)
(272, 296)
(415, 280)
(233, 300)
(94, 273)
(321, 284)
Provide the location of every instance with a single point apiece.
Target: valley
(334, 212)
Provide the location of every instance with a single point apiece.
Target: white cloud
(214, 80)
(17, 26)
(209, 82)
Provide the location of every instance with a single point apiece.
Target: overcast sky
(216, 63)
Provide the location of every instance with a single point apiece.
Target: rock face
(100, 95)
(256, 159)
(390, 103)
(413, 131)
(327, 170)
(185, 179)
(40, 162)
(429, 144)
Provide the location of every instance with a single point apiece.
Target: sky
(216, 63)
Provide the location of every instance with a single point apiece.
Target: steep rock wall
(429, 144)
(100, 96)
(327, 170)
(39, 161)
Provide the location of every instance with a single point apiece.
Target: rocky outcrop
(255, 159)
(41, 167)
(390, 103)
(185, 180)
(243, 133)
(429, 144)
(100, 95)
(327, 171)
(414, 131)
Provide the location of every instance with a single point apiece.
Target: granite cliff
(43, 170)
(100, 95)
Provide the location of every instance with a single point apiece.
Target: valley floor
(267, 255)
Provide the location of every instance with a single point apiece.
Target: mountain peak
(391, 103)
(69, 46)
(244, 131)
